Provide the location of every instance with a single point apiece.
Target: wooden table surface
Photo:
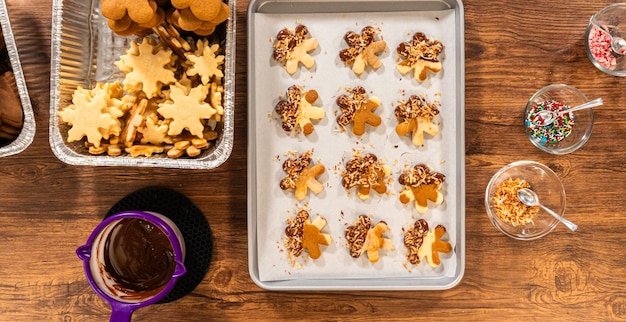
(513, 48)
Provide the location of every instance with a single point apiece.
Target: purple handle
(120, 312)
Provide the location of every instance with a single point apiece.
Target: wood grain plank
(513, 48)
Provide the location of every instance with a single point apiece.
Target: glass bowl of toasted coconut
(509, 215)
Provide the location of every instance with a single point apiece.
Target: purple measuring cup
(125, 301)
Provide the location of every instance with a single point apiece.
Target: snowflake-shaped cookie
(148, 67)
(363, 238)
(303, 234)
(186, 109)
(207, 64)
(421, 184)
(363, 50)
(154, 130)
(357, 108)
(292, 47)
(297, 109)
(420, 55)
(90, 117)
(365, 173)
(301, 175)
(415, 116)
(433, 245)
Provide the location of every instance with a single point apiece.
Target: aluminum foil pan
(83, 52)
(28, 129)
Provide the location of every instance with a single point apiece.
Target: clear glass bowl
(581, 128)
(544, 182)
(612, 20)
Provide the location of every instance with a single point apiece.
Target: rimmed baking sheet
(269, 206)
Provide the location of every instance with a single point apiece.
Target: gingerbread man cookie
(358, 109)
(420, 55)
(297, 110)
(363, 50)
(301, 176)
(421, 184)
(363, 238)
(301, 234)
(433, 245)
(292, 48)
(415, 116)
(366, 173)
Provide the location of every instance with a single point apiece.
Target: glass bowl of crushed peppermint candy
(605, 39)
(568, 131)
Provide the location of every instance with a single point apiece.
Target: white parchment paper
(333, 147)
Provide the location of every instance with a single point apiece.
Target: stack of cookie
(140, 17)
(11, 114)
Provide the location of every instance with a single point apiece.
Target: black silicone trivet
(190, 221)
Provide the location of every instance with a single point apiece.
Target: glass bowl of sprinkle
(509, 215)
(569, 130)
(605, 39)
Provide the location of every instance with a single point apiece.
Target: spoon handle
(572, 226)
(590, 104)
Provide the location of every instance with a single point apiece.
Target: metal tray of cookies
(84, 50)
(27, 134)
(271, 265)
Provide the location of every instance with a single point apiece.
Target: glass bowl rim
(491, 214)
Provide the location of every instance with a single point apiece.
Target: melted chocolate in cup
(139, 259)
(132, 257)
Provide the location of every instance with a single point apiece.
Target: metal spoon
(618, 44)
(529, 198)
(548, 116)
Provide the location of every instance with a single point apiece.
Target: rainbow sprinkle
(560, 128)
